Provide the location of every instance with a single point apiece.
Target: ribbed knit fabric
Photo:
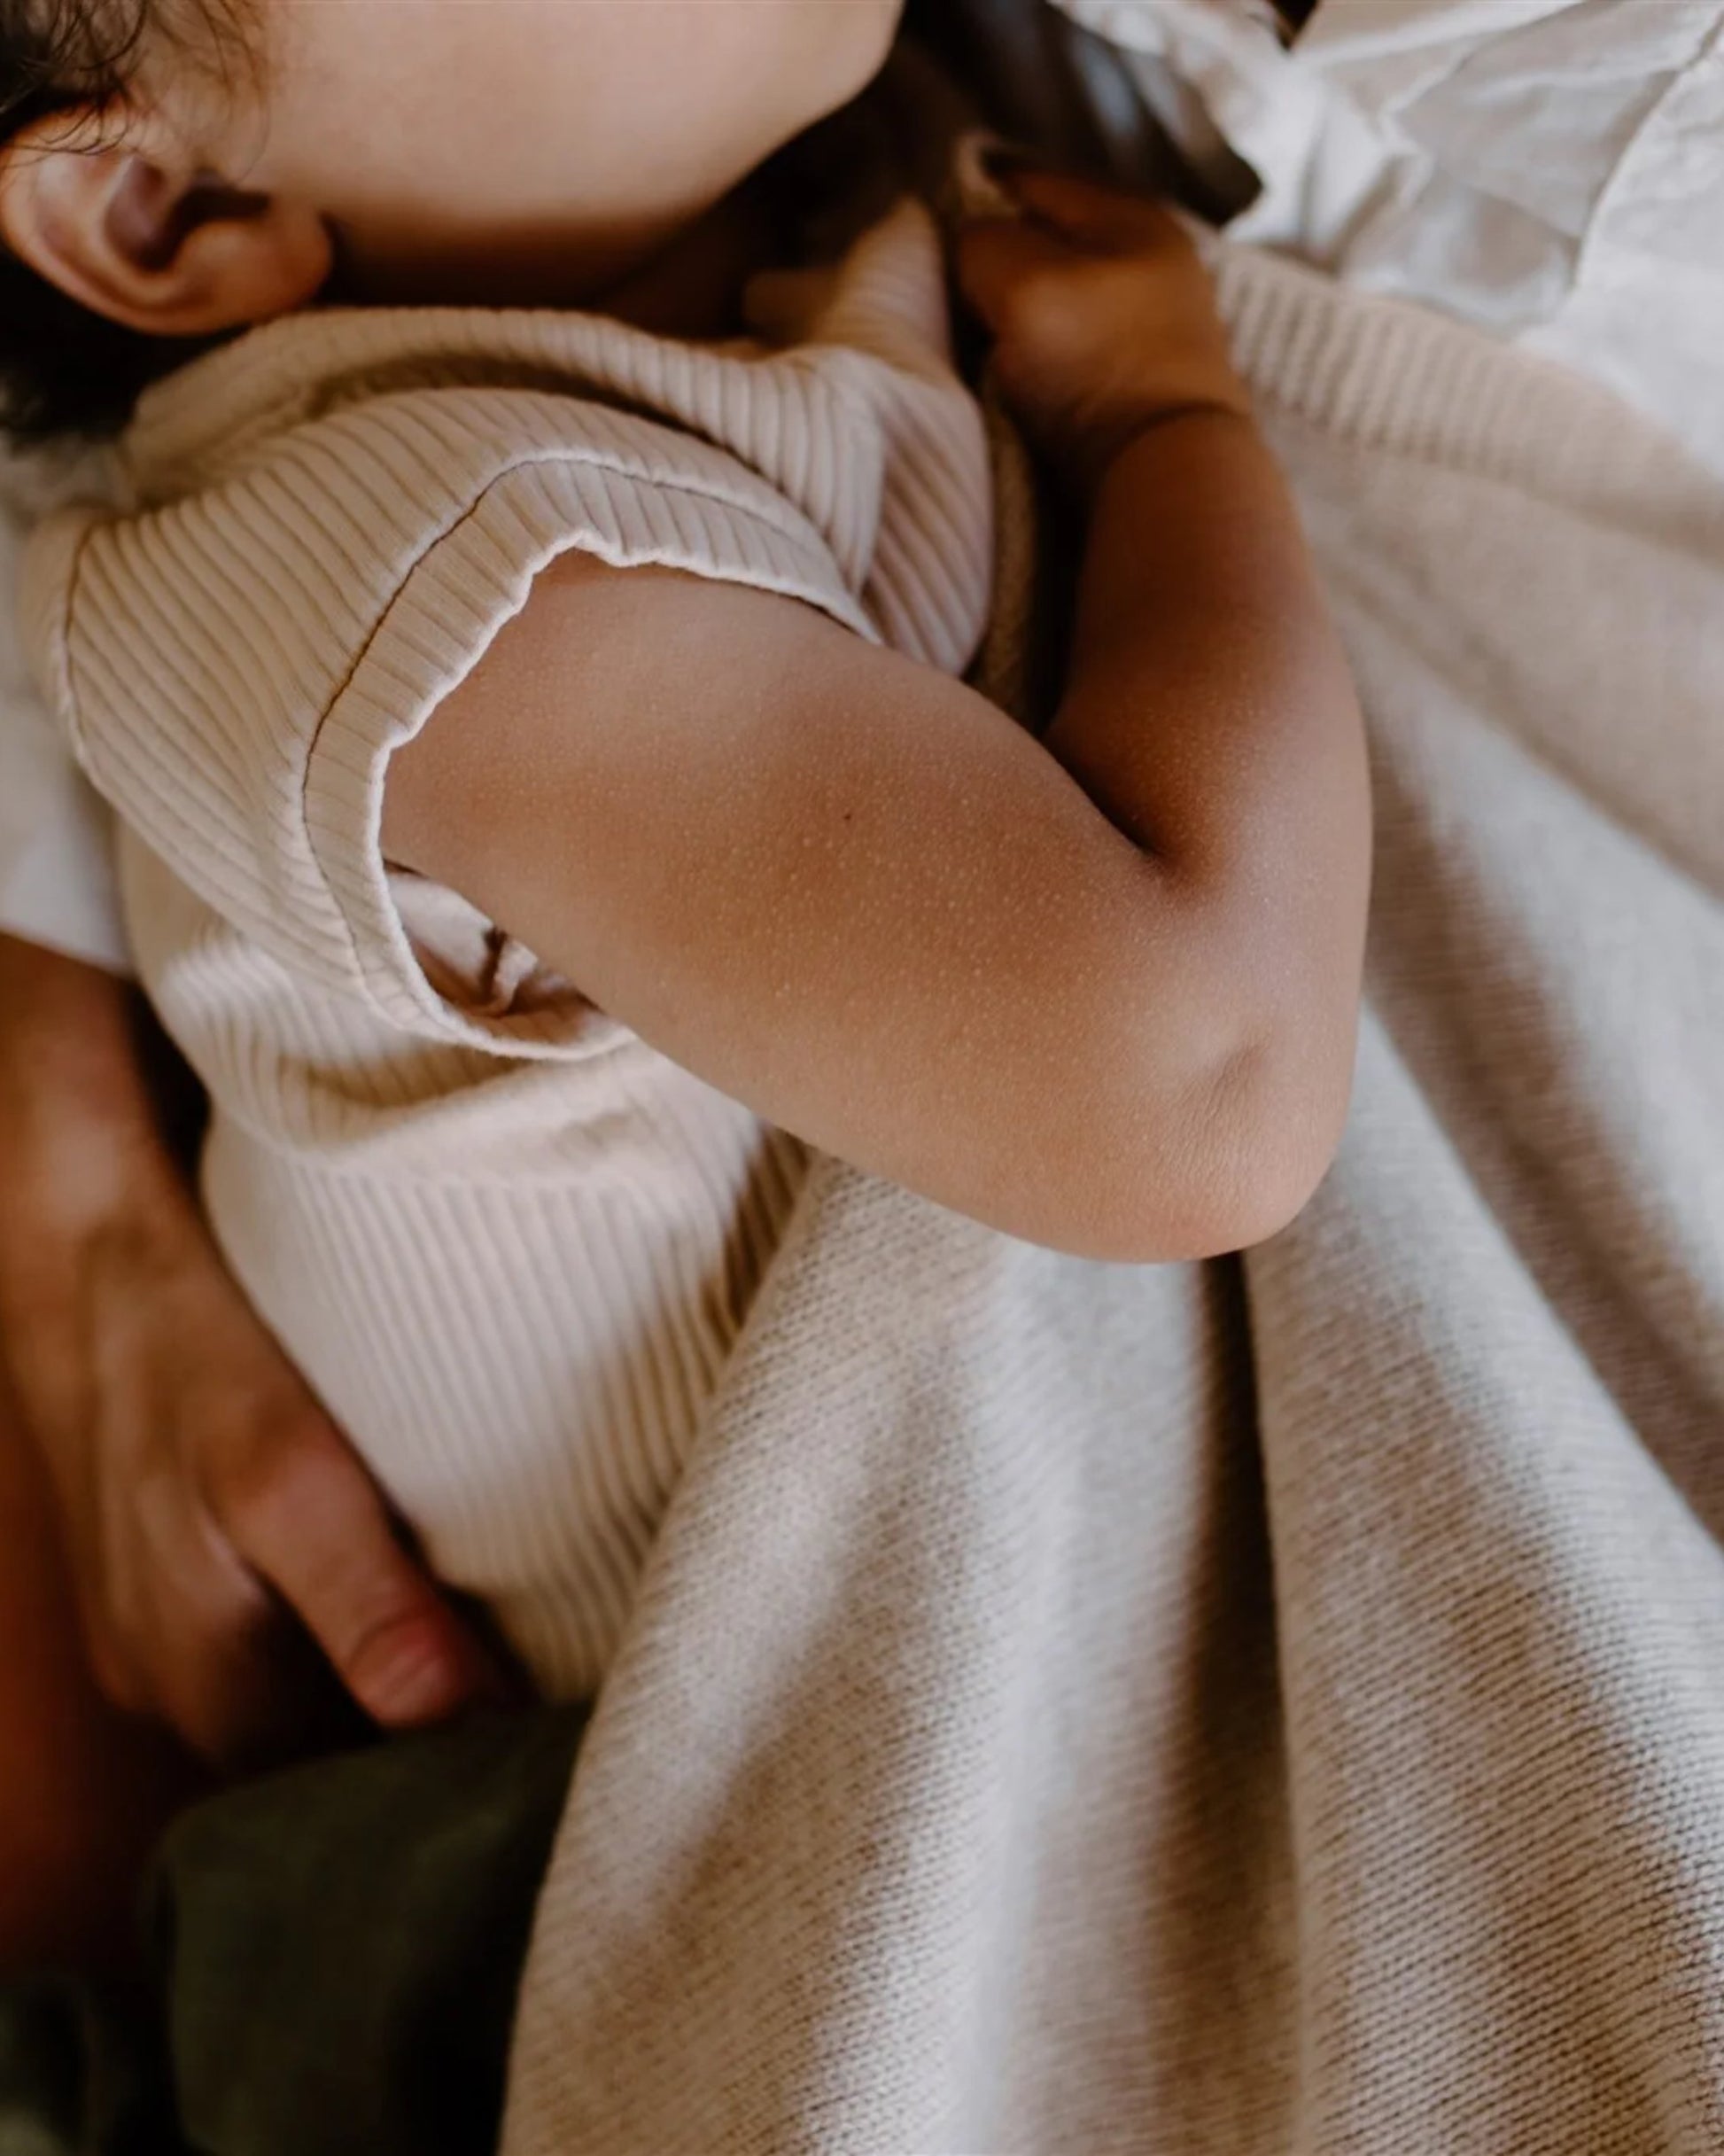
(508, 1243)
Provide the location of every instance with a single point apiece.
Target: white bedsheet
(1550, 170)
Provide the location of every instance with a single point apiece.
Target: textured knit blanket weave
(1274, 1706)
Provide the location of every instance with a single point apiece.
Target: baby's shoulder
(832, 452)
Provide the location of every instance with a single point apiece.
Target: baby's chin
(859, 35)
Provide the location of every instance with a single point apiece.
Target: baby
(528, 673)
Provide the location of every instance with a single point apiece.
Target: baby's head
(174, 169)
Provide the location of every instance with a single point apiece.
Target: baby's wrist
(1205, 395)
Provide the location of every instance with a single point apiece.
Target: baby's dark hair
(65, 369)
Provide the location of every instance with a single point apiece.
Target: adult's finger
(314, 1525)
(209, 1648)
(81, 1531)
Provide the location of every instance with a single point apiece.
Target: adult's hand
(216, 1522)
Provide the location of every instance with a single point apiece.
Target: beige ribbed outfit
(508, 1244)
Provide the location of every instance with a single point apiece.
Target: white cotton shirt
(57, 881)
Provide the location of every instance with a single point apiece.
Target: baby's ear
(135, 230)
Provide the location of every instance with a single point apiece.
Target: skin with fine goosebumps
(1100, 991)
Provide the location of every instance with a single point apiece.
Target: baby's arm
(1098, 992)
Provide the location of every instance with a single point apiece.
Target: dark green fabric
(337, 1950)
(81, 2074)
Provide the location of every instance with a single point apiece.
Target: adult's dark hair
(63, 368)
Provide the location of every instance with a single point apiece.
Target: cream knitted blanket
(1269, 1706)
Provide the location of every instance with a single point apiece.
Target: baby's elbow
(1270, 1124)
(1256, 1136)
(1272, 1129)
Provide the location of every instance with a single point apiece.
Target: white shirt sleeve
(57, 884)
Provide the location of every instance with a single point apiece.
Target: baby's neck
(688, 286)
(692, 286)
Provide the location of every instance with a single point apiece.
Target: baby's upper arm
(836, 884)
(235, 663)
